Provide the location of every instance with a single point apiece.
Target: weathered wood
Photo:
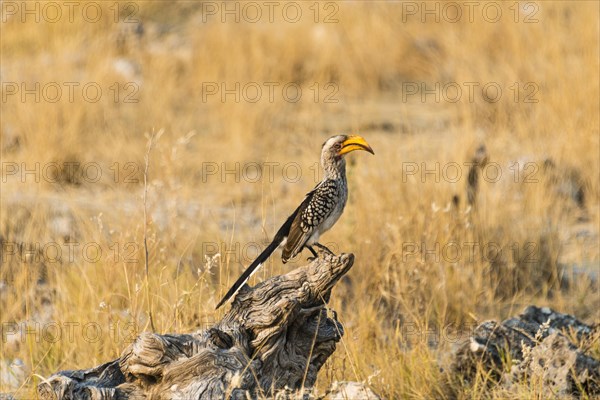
(262, 345)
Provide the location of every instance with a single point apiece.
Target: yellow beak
(355, 142)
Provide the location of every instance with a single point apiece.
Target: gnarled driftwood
(277, 335)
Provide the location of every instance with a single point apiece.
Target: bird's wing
(314, 210)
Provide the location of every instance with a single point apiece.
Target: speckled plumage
(321, 209)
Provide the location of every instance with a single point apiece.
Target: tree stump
(276, 336)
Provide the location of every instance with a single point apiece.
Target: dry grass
(402, 308)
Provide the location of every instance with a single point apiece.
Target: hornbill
(319, 211)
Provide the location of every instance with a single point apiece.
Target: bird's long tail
(266, 253)
(249, 271)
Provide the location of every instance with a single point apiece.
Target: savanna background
(228, 163)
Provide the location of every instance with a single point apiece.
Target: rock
(549, 366)
(539, 346)
(13, 373)
(350, 390)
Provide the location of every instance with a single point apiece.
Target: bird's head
(334, 149)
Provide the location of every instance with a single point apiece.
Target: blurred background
(198, 127)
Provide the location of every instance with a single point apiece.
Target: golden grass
(396, 299)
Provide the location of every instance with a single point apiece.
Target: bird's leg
(324, 248)
(314, 253)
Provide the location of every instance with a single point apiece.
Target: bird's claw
(324, 249)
